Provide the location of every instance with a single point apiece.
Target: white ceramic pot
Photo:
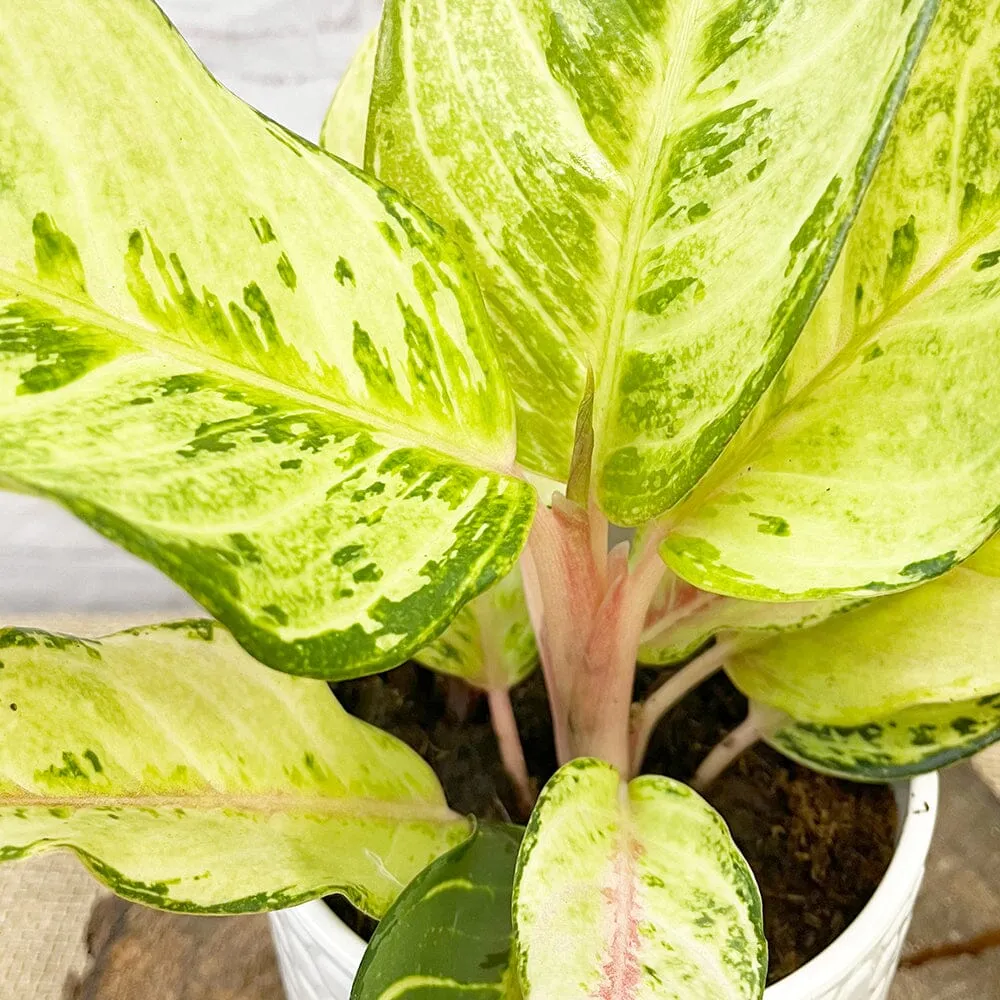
(319, 956)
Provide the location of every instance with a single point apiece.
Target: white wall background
(284, 57)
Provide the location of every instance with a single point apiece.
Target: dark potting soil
(818, 846)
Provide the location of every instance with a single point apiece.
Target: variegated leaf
(682, 619)
(448, 935)
(936, 643)
(654, 190)
(189, 777)
(634, 891)
(245, 362)
(490, 643)
(346, 122)
(877, 463)
(913, 741)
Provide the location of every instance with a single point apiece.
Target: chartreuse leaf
(654, 190)
(240, 359)
(907, 684)
(189, 777)
(448, 935)
(877, 464)
(635, 891)
(490, 643)
(935, 643)
(682, 619)
(913, 741)
(346, 122)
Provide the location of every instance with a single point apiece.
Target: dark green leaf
(448, 935)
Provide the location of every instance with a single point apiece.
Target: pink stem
(669, 694)
(761, 721)
(599, 713)
(540, 547)
(511, 750)
(588, 607)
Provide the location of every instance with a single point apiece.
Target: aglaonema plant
(721, 272)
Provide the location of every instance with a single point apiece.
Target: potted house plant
(671, 270)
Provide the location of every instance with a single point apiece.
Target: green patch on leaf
(895, 747)
(772, 525)
(57, 259)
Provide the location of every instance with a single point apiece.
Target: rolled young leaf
(634, 891)
(914, 741)
(242, 360)
(936, 643)
(188, 777)
(490, 643)
(346, 122)
(682, 619)
(656, 191)
(877, 464)
(449, 932)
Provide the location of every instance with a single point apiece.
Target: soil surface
(818, 846)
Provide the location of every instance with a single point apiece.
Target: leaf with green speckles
(346, 122)
(490, 643)
(879, 444)
(634, 890)
(238, 357)
(933, 644)
(448, 935)
(189, 777)
(654, 190)
(682, 619)
(914, 741)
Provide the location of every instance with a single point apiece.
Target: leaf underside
(655, 190)
(188, 777)
(238, 358)
(933, 644)
(346, 121)
(683, 619)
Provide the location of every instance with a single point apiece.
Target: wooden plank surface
(139, 954)
(960, 901)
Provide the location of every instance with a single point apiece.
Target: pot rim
(903, 876)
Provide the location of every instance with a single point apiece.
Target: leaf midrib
(155, 342)
(863, 336)
(268, 804)
(842, 359)
(678, 45)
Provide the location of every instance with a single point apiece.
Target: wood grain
(139, 954)
(960, 899)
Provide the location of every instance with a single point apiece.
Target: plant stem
(588, 608)
(669, 694)
(511, 750)
(664, 625)
(760, 721)
(546, 610)
(601, 704)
